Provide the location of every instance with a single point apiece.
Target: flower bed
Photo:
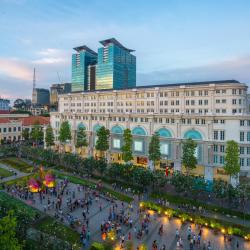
(220, 225)
(175, 199)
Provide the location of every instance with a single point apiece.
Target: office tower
(80, 67)
(56, 89)
(116, 67)
(40, 96)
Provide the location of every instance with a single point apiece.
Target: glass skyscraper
(81, 61)
(116, 66)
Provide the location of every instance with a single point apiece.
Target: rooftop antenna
(59, 78)
(34, 79)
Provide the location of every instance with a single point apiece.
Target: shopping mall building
(210, 113)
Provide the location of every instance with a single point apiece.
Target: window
(216, 159)
(205, 102)
(222, 148)
(222, 135)
(248, 150)
(242, 150)
(248, 136)
(164, 148)
(242, 123)
(242, 136)
(215, 148)
(224, 101)
(138, 146)
(221, 159)
(116, 143)
(234, 101)
(242, 162)
(234, 91)
(217, 101)
(200, 102)
(216, 133)
(248, 162)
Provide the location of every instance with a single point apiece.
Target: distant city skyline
(175, 41)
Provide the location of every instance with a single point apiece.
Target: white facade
(209, 112)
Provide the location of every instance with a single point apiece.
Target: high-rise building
(4, 104)
(40, 96)
(116, 67)
(81, 62)
(56, 89)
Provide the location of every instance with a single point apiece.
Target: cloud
(15, 68)
(52, 56)
(235, 68)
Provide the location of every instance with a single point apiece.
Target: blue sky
(175, 40)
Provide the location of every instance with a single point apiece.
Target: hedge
(220, 225)
(214, 208)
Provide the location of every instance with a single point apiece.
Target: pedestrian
(237, 245)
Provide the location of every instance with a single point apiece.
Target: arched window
(117, 130)
(139, 131)
(163, 132)
(81, 125)
(96, 128)
(193, 134)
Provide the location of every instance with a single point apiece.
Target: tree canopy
(64, 133)
(81, 138)
(49, 137)
(154, 148)
(127, 153)
(189, 160)
(232, 165)
(102, 143)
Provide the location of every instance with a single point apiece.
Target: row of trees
(189, 146)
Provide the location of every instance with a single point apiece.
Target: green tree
(102, 143)
(36, 133)
(189, 160)
(64, 132)
(81, 138)
(127, 154)
(232, 154)
(49, 137)
(26, 134)
(8, 240)
(154, 148)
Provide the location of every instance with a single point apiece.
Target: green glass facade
(116, 67)
(80, 69)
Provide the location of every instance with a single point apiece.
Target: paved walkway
(13, 177)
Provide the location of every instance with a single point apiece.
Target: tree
(127, 154)
(25, 134)
(8, 240)
(232, 165)
(154, 148)
(81, 138)
(102, 143)
(188, 157)
(49, 137)
(36, 133)
(64, 132)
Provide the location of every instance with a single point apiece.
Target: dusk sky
(175, 40)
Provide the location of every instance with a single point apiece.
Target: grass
(52, 227)
(176, 199)
(17, 164)
(18, 206)
(77, 180)
(5, 173)
(22, 181)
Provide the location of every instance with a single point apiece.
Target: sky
(174, 40)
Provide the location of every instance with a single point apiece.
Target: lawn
(52, 227)
(22, 181)
(17, 164)
(5, 173)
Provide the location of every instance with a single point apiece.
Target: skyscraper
(116, 66)
(81, 61)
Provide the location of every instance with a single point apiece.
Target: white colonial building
(209, 112)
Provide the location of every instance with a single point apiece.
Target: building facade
(40, 96)
(12, 125)
(81, 61)
(209, 112)
(56, 89)
(114, 67)
(4, 104)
